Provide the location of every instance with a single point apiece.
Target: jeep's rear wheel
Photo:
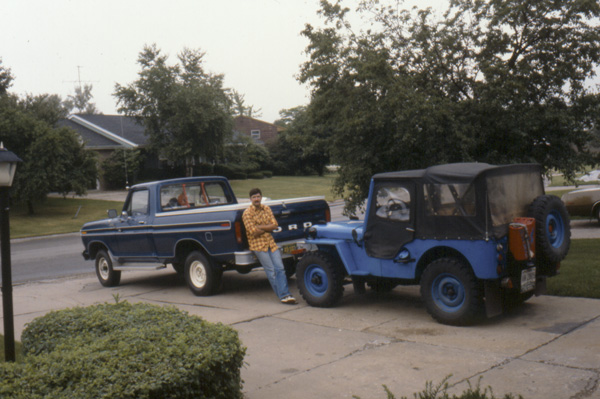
(552, 228)
(320, 280)
(107, 276)
(451, 292)
(201, 275)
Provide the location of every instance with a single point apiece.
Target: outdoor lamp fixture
(8, 166)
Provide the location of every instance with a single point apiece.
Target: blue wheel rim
(448, 293)
(555, 229)
(315, 280)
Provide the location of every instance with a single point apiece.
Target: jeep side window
(393, 203)
(138, 205)
(450, 199)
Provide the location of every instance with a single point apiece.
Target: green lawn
(580, 272)
(280, 187)
(56, 216)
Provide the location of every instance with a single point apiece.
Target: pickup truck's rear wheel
(451, 292)
(107, 276)
(201, 275)
(320, 280)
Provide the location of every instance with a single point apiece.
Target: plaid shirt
(253, 217)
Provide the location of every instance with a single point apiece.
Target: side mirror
(112, 213)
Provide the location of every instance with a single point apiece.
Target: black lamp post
(8, 166)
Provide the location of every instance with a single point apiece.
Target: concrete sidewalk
(549, 348)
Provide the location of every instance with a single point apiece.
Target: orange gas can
(521, 238)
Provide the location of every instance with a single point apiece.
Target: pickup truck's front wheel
(451, 292)
(107, 276)
(201, 275)
(320, 280)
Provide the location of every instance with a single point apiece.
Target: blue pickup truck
(194, 224)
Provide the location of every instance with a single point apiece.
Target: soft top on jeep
(468, 200)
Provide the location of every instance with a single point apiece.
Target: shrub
(267, 173)
(239, 176)
(256, 175)
(125, 351)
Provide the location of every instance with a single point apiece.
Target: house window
(255, 134)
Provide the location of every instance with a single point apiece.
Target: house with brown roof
(260, 131)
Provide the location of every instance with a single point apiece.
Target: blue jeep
(478, 238)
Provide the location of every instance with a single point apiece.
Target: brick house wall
(262, 132)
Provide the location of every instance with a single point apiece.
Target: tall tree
(495, 81)
(54, 159)
(240, 107)
(186, 110)
(47, 107)
(304, 145)
(81, 100)
(6, 79)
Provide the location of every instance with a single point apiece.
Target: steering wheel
(395, 205)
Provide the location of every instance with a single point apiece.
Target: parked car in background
(583, 202)
(593, 176)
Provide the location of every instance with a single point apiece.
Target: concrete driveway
(549, 348)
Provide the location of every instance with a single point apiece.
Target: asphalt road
(42, 258)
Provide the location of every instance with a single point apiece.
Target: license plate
(289, 248)
(528, 279)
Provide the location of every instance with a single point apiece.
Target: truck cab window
(193, 195)
(138, 204)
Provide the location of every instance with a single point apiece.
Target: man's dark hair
(255, 191)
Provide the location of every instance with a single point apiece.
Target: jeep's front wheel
(320, 280)
(201, 275)
(107, 276)
(451, 292)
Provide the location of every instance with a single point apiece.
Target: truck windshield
(509, 196)
(192, 195)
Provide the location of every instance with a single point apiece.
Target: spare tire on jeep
(552, 228)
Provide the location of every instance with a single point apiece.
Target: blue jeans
(273, 265)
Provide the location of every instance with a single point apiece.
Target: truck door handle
(142, 222)
(410, 229)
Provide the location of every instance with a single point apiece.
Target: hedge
(125, 351)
